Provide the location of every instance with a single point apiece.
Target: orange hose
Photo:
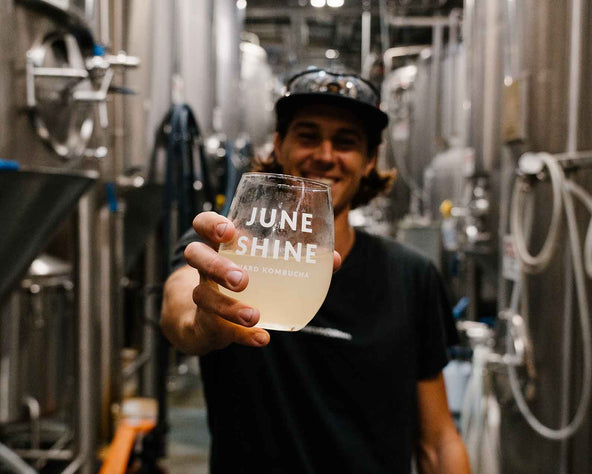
(121, 447)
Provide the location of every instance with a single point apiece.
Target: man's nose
(324, 152)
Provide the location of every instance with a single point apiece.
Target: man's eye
(307, 137)
(346, 143)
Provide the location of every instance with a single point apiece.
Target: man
(360, 390)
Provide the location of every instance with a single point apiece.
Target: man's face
(328, 144)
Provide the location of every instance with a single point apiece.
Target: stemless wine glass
(284, 240)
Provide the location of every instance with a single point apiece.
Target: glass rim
(311, 184)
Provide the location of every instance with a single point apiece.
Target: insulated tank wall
(537, 68)
(7, 61)
(23, 27)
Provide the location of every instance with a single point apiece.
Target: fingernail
(246, 314)
(260, 338)
(221, 228)
(234, 277)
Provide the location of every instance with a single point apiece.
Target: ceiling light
(331, 54)
(335, 3)
(241, 4)
(317, 3)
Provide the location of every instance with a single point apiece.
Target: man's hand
(197, 318)
(219, 319)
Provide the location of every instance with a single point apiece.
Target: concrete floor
(188, 439)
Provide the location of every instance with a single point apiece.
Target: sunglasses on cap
(319, 81)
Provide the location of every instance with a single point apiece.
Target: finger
(210, 299)
(212, 266)
(220, 333)
(336, 261)
(213, 227)
(254, 337)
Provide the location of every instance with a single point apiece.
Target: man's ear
(371, 164)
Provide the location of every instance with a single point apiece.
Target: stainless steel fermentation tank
(547, 106)
(528, 69)
(37, 325)
(424, 100)
(42, 67)
(40, 61)
(64, 130)
(49, 117)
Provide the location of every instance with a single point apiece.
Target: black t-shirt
(340, 395)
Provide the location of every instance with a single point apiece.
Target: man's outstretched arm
(440, 449)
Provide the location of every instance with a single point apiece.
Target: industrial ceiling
(296, 34)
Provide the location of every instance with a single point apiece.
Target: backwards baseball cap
(315, 86)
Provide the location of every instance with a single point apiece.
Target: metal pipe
(89, 9)
(467, 32)
(104, 35)
(577, 18)
(117, 32)
(419, 21)
(30, 81)
(227, 36)
(86, 425)
(366, 36)
(453, 48)
(513, 59)
(46, 455)
(384, 31)
(150, 333)
(136, 365)
(55, 450)
(117, 316)
(175, 40)
(566, 356)
(75, 465)
(118, 155)
(110, 241)
(16, 463)
(68, 73)
(472, 285)
(34, 410)
(435, 95)
(106, 353)
(492, 78)
(401, 51)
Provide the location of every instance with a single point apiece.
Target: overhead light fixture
(317, 3)
(335, 3)
(241, 4)
(331, 54)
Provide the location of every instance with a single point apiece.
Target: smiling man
(358, 390)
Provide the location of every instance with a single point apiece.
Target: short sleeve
(178, 259)
(436, 329)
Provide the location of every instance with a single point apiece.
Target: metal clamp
(122, 60)
(521, 343)
(104, 65)
(69, 78)
(93, 70)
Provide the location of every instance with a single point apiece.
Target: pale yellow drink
(287, 293)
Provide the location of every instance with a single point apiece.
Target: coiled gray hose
(563, 191)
